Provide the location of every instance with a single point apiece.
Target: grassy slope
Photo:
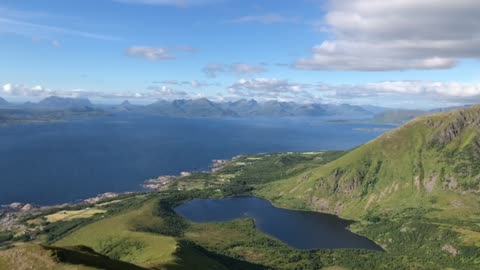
(411, 166)
(230, 245)
(113, 237)
(30, 256)
(122, 237)
(413, 190)
(34, 256)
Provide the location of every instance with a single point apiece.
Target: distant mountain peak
(205, 101)
(62, 102)
(125, 103)
(3, 101)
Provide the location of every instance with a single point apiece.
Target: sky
(396, 53)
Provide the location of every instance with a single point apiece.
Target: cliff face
(459, 122)
(431, 157)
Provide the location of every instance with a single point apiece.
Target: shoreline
(149, 185)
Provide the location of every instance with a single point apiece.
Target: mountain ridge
(60, 102)
(430, 157)
(252, 108)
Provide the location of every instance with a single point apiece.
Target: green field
(113, 237)
(73, 214)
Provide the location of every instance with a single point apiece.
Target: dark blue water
(299, 229)
(63, 162)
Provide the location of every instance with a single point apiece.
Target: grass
(113, 237)
(31, 256)
(241, 240)
(74, 214)
(119, 238)
(108, 203)
(407, 167)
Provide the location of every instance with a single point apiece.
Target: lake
(298, 229)
(62, 162)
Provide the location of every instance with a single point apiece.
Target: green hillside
(414, 190)
(432, 161)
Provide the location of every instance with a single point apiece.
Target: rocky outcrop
(450, 249)
(463, 120)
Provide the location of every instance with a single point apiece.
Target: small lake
(298, 229)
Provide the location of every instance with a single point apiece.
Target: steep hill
(431, 162)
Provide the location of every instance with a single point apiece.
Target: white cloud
(243, 69)
(34, 30)
(153, 53)
(413, 92)
(265, 19)
(446, 89)
(268, 88)
(152, 93)
(22, 90)
(193, 84)
(150, 53)
(387, 93)
(56, 44)
(373, 35)
(200, 84)
(172, 82)
(165, 92)
(7, 88)
(212, 70)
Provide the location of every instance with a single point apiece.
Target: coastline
(11, 213)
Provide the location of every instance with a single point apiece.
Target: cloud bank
(264, 19)
(378, 35)
(150, 53)
(389, 92)
(213, 70)
(153, 53)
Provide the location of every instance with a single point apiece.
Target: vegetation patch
(115, 236)
(66, 215)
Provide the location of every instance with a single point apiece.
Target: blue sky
(398, 54)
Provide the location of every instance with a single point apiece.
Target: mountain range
(206, 108)
(247, 108)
